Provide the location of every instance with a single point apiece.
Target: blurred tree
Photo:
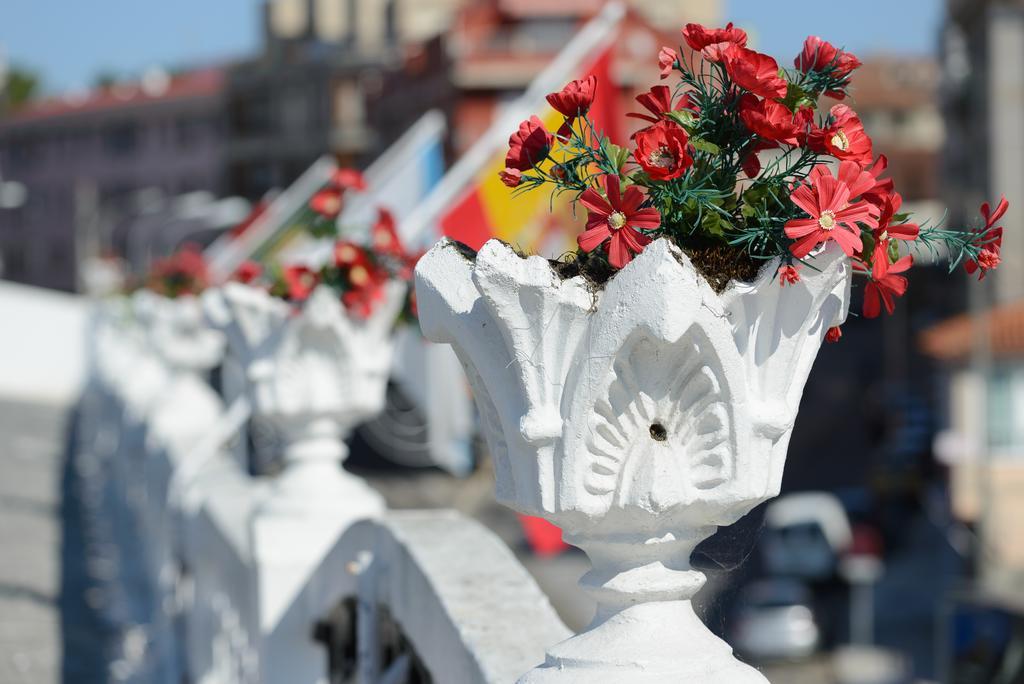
(20, 86)
(104, 80)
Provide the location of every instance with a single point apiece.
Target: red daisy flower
(348, 179)
(348, 254)
(991, 237)
(384, 235)
(769, 119)
(658, 101)
(247, 272)
(754, 72)
(574, 100)
(661, 151)
(618, 221)
(886, 231)
(712, 43)
(885, 285)
(882, 188)
(789, 275)
(820, 55)
(667, 59)
(327, 202)
(300, 282)
(529, 145)
(844, 138)
(366, 284)
(511, 177)
(826, 199)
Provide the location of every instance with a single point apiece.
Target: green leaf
(867, 238)
(705, 146)
(894, 252)
(683, 117)
(797, 97)
(714, 224)
(616, 154)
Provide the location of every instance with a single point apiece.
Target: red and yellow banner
(532, 221)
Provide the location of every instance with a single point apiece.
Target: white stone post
(638, 417)
(314, 373)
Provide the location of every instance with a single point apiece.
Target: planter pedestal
(639, 418)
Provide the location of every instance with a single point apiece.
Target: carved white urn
(181, 335)
(639, 418)
(313, 373)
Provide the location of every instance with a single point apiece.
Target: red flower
(247, 272)
(384, 235)
(751, 163)
(617, 220)
(667, 59)
(754, 72)
(327, 202)
(348, 179)
(366, 284)
(769, 119)
(528, 146)
(658, 101)
(833, 334)
(826, 199)
(885, 284)
(511, 177)
(882, 188)
(819, 55)
(300, 282)
(712, 43)
(788, 275)
(661, 151)
(885, 231)
(990, 236)
(574, 100)
(348, 254)
(844, 138)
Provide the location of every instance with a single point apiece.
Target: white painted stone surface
(639, 418)
(313, 373)
(43, 347)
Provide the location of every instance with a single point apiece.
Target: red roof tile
(953, 339)
(200, 83)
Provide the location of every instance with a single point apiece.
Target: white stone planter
(638, 418)
(314, 374)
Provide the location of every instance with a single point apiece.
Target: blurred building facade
(982, 46)
(345, 77)
(83, 159)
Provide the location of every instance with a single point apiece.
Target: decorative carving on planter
(180, 334)
(314, 374)
(639, 418)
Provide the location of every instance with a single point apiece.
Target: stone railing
(209, 574)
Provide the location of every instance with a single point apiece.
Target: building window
(1005, 403)
(121, 139)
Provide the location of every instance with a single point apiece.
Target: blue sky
(70, 41)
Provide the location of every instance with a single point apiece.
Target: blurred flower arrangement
(357, 273)
(695, 174)
(184, 273)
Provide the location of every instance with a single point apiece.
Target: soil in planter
(720, 264)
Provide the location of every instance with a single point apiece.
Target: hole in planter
(658, 432)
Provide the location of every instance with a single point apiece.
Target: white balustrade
(217, 577)
(639, 417)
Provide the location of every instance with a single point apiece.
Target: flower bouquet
(741, 162)
(641, 392)
(358, 274)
